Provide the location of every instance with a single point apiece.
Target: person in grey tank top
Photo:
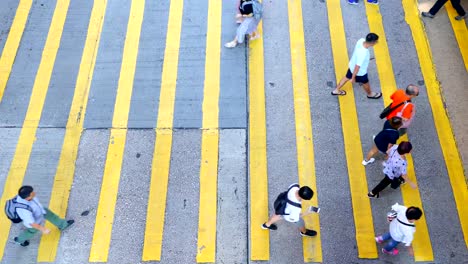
(35, 216)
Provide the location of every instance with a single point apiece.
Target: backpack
(10, 210)
(256, 7)
(282, 201)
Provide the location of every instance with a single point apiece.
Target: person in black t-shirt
(385, 139)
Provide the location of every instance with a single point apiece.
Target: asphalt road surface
(132, 118)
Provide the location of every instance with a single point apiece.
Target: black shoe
(271, 227)
(309, 233)
(24, 244)
(69, 222)
(427, 14)
(370, 195)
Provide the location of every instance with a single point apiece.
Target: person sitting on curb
(33, 215)
(402, 229)
(248, 23)
(394, 169)
(288, 207)
(385, 139)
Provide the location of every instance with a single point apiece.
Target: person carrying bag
(394, 169)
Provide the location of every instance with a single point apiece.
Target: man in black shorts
(385, 139)
(357, 67)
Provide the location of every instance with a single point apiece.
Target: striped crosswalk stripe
(258, 175)
(11, 46)
(206, 245)
(444, 130)
(66, 167)
(111, 177)
(356, 173)
(162, 150)
(312, 247)
(460, 31)
(422, 243)
(258, 181)
(28, 132)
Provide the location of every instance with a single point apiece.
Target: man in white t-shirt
(288, 206)
(402, 229)
(357, 67)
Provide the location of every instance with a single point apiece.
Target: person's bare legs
(273, 219)
(372, 152)
(239, 18)
(367, 88)
(342, 82)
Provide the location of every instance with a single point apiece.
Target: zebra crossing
(116, 148)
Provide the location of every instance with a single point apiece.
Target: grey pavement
(182, 207)
(451, 74)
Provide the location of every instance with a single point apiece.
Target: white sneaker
(367, 162)
(231, 44)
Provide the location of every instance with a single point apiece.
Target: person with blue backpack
(288, 206)
(26, 208)
(250, 15)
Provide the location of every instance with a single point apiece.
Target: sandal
(341, 92)
(375, 96)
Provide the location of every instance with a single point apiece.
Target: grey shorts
(299, 223)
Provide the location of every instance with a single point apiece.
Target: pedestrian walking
(394, 169)
(357, 67)
(26, 208)
(288, 206)
(403, 106)
(385, 139)
(250, 16)
(440, 3)
(355, 2)
(401, 229)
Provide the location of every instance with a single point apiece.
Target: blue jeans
(391, 244)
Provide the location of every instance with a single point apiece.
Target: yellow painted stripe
(352, 140)
(305, 149)
(162, 150)
(422, 242)
(12, 43)
(259, 238)
(206, 246)
(111, 177)
(28, 132)
(443, 128)
(66, 167)
(461, 33)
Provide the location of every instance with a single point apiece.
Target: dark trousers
(383, 184)
(456, 4)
